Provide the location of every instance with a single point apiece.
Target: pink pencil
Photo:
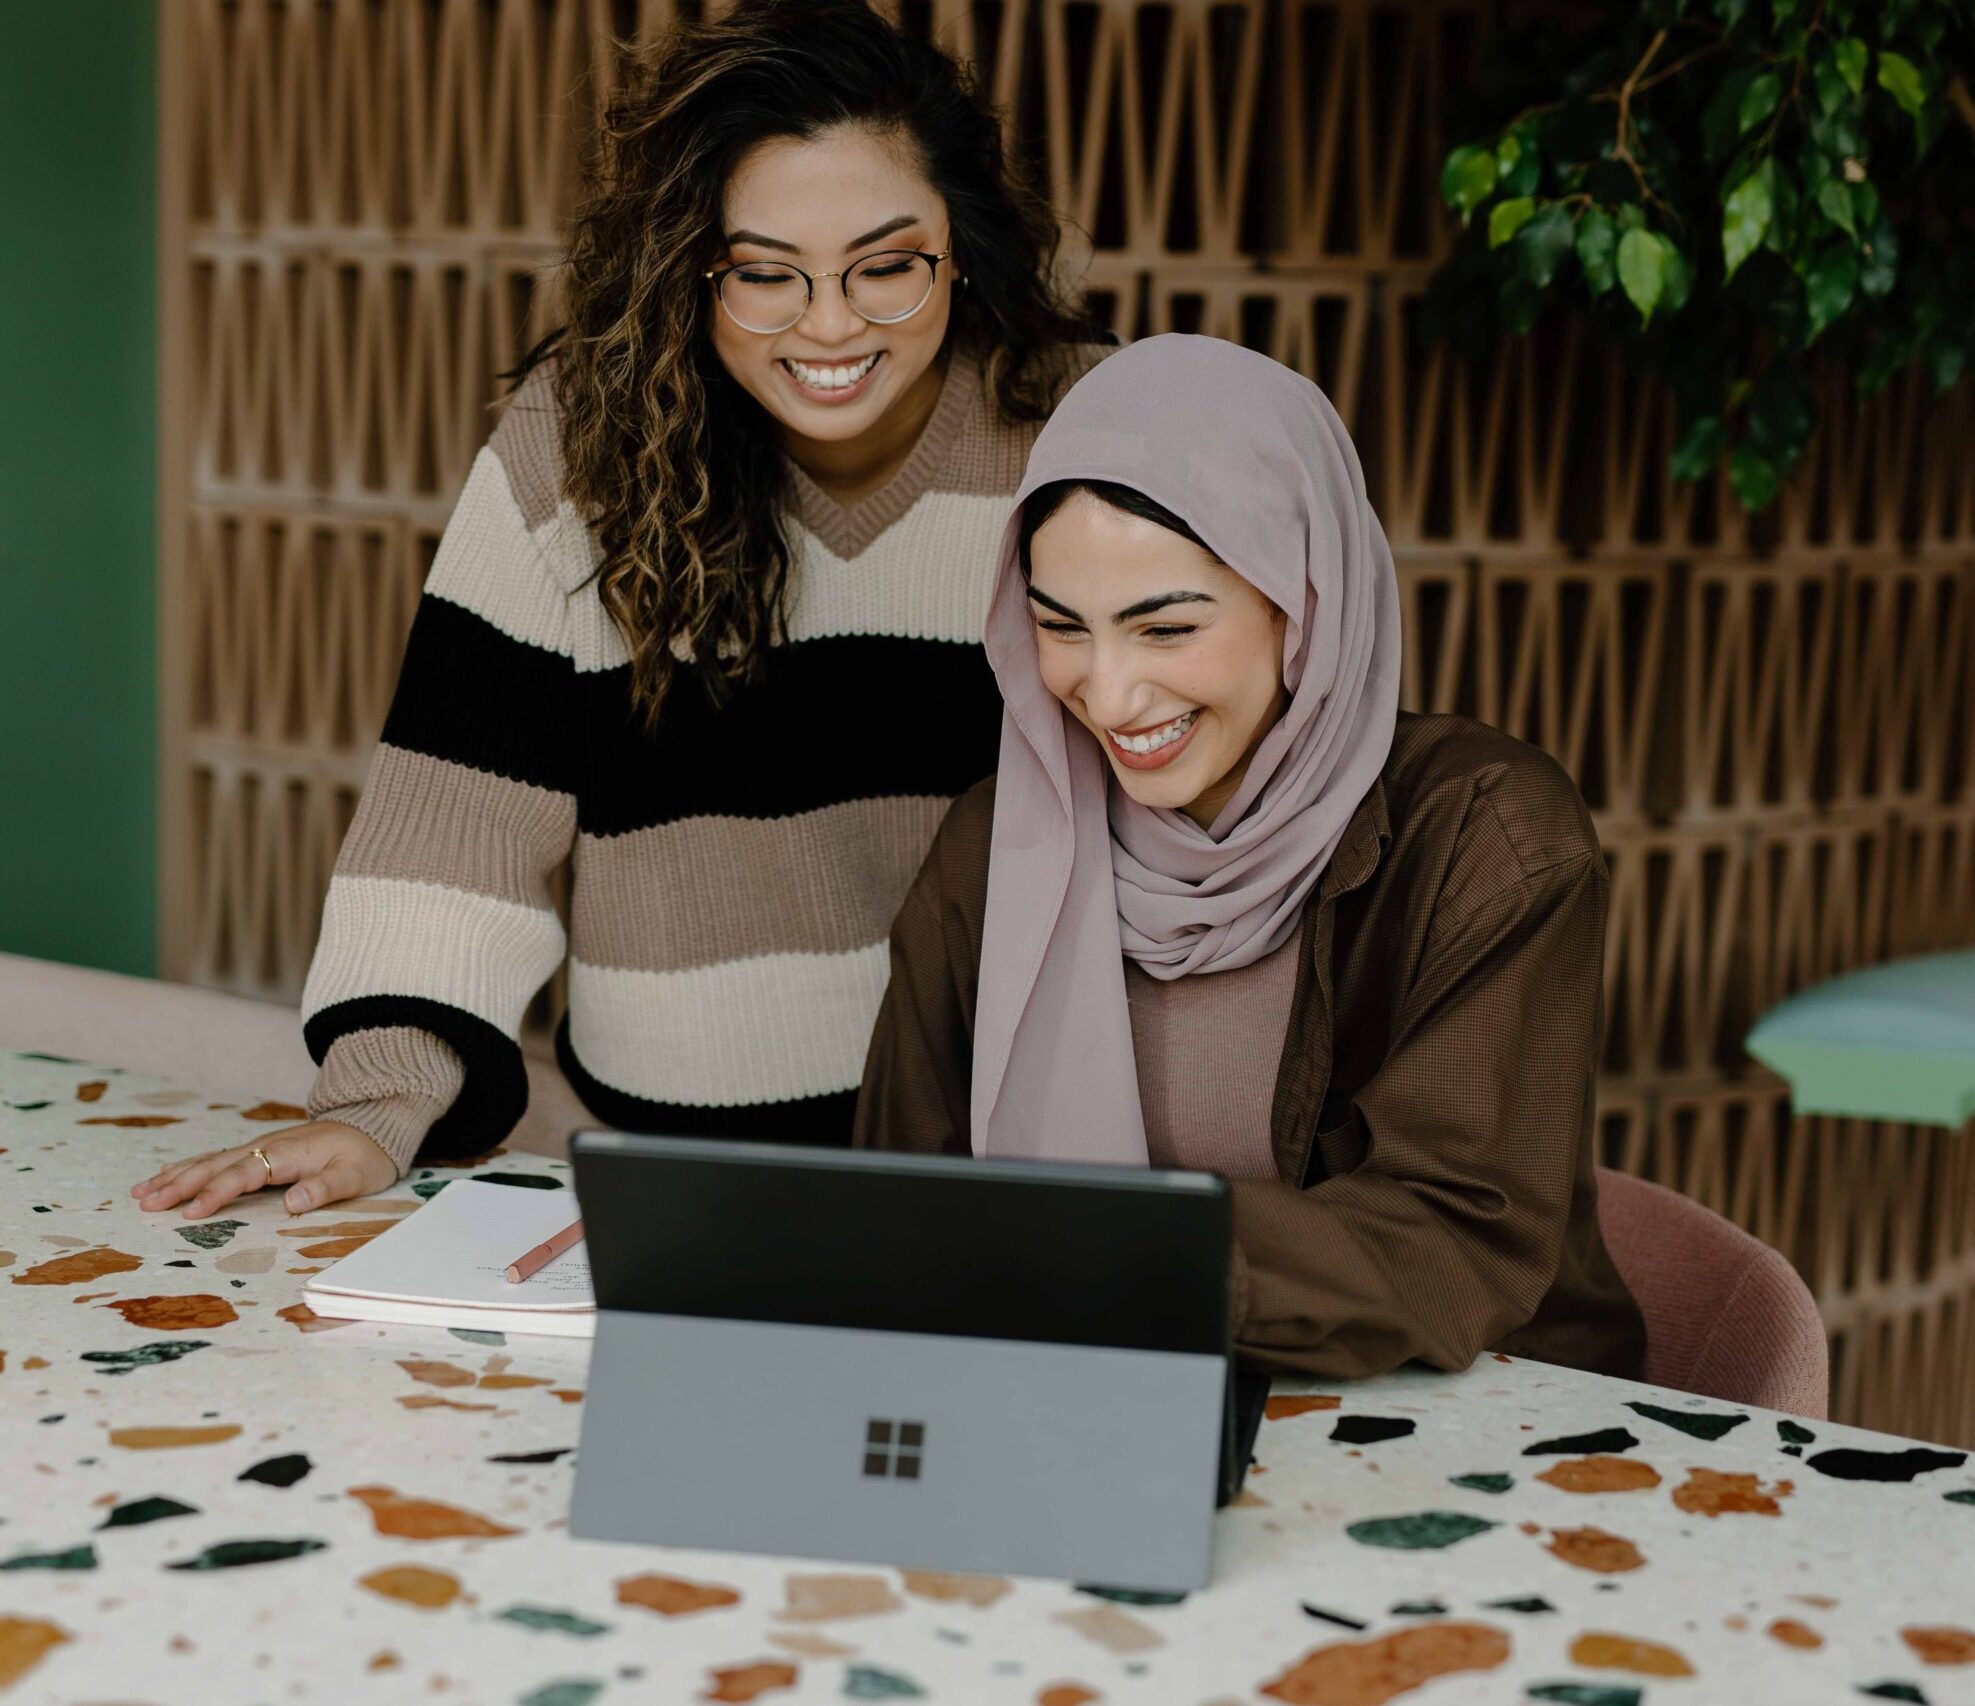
(542, 1254)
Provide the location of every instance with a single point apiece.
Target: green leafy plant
(1732, 190)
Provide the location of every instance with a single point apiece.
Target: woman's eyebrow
(884, 230)
(1047, 602)
(1145, 606)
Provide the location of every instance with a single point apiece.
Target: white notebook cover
(444, 1265)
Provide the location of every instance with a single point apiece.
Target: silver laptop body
(715, 1420)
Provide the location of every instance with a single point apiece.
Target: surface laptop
(990, 1367)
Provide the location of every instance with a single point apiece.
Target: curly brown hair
(677, 470)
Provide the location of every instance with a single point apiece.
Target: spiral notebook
(443, 1266)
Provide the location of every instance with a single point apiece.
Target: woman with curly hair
(739, 513)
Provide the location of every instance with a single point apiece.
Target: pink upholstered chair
(1726, 1316)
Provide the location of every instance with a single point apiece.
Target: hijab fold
(1252, 456)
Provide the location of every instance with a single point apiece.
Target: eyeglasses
(770, 296)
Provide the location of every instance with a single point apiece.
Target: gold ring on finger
(260, 1155)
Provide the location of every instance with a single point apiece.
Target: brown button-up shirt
(1435, 1191)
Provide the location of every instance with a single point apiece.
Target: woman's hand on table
(321, 1162)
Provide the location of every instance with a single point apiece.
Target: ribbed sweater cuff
(392, 1083)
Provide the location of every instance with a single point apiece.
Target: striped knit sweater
(734, 876)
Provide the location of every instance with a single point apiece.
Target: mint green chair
(1890, 1042)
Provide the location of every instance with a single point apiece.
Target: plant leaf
(1699, 448)
(1901, 79)
(1783, 206)
(1744, 220)
(1830, 284)
(1597, 244)
(1882, 258)
(1850, 56)
(1467, 179)
(1865, 202)
(1718, 122)
(1509, 217)
(1759, 100)
(1753, 476)
(1832, 91)
(1642, 270)
(1679, 280)
(1542, 243)
(1834, 201)
(1518, 163)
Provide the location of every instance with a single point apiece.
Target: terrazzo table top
(207, 1494)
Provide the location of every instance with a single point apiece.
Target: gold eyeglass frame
(810, 281)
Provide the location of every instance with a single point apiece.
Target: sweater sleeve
(1447, 1235)
(440, 925)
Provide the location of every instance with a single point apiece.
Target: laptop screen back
(1130, 1258)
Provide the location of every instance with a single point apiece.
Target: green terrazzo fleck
(1419, 1532)
(1132, 1596)
(572, 1691)
(233, 1554)
(1418, 1608)
(1794, 1433)
(539, 1617)
(867, 1682)
(1965, 1497)
(1697, 1423)
(1894, 1691)
(429, 1188)
(477, 1335)
(1484, 1483)
(210, 1234)
(81, 1557)
(143, 1356)
(1585, 1693)
(146, 1510)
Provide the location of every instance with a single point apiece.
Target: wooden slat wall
(1772, 722)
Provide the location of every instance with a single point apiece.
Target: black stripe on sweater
(476, 696)
(495, 1093)
(850, 718)
(823, 1121)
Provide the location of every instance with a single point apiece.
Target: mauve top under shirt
(1208, 1049)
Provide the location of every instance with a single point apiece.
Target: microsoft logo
(893, 1448)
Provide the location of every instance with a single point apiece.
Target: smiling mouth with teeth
(830, 376)
(1151, 740)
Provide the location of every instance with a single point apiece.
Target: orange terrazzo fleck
(1601, 1651)
(1713, 1492)
(673, 1596)
(1369, 1673)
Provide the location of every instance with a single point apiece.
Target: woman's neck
(854, 468)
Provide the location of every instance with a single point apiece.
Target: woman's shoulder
(527, 442)
(526, 445)
(1457, 778)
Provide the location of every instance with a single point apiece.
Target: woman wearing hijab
(1224, 908)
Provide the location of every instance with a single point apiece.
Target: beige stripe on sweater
(463, 828)
(708, 889)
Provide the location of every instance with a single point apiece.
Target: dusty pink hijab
(1252, 456)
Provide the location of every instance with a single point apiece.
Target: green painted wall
(78, 589)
